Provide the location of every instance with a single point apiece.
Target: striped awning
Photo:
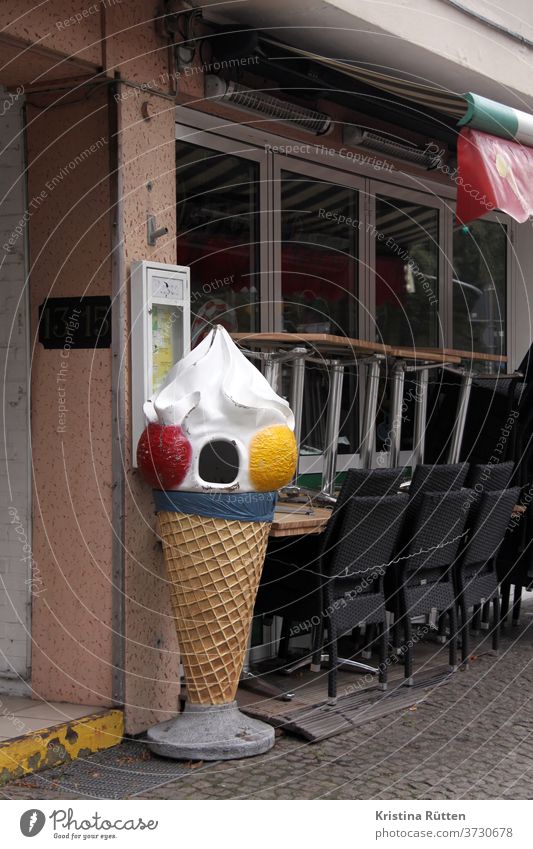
(429, 96)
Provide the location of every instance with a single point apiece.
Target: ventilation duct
(266, 105)
(358, 137)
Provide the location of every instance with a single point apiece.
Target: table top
(426, 355)
(323, 342)
(474, 356)
(297, 522)
(346, 346)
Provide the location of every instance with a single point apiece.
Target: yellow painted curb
(57, 744)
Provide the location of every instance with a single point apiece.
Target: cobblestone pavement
(470, 739)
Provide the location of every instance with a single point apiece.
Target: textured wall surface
(152, 657)
(72, 27)
(15, 524)
(70, 243)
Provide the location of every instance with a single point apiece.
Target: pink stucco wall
(152, 655)
(70, 243)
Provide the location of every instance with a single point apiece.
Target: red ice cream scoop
(163, 455)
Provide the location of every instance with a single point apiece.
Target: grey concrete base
(210, 733)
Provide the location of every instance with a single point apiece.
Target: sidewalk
(470, 739)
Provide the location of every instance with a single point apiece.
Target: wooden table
(323, 343)
(470, 356)
(297, 522)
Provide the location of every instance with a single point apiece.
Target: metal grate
(122, 772)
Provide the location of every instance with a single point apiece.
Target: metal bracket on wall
(152, 233)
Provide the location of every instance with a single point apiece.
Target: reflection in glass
(319, 231)
(407, 283)
(480, 287)
(218, 237)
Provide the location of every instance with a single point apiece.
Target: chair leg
(496, 625)
(369, 638)
(283, 648)
(517, 603)
(452, 615)
(333, 663)
(506, 592)
(318, 644)
(407, 651)
(464, 633)
(395, 630)
(441, 633)
(383, 651)
(485, 617)
(476, 619)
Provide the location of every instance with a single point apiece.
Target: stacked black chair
(358, 483)
(475, 575)
(362, 547)
(489, 477)
(422, 581)
(291, 583)
(430, 478)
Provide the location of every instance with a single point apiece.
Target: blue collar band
(240, 506)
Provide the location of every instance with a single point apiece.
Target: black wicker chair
(489, 477)
(364, 545)
(422, 581)
(431, 478)
(438, 478)
(293, 572)
(475, 575)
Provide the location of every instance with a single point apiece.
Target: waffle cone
(214, 566)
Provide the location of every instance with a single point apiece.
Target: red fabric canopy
(493, 173)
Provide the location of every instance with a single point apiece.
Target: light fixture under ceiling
(265, 104)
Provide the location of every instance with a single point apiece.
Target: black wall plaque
(75, 322)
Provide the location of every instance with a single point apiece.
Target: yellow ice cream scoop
(272, 458)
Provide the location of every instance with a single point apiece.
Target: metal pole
(297, 397)
(395, 432)
(332, 426)
(368, 438)
(272, 371)
(460, 418)
(419, 430)
(118, 383)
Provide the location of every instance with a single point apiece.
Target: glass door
(222, 231)
(480, 286)
(320, 285)
(408, 287)
(407, 256)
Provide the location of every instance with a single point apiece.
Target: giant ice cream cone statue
(218, 445)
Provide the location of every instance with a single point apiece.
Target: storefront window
(218, 237)
(480, 287)
(407, 281)
(320, 234)
(319, 231)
